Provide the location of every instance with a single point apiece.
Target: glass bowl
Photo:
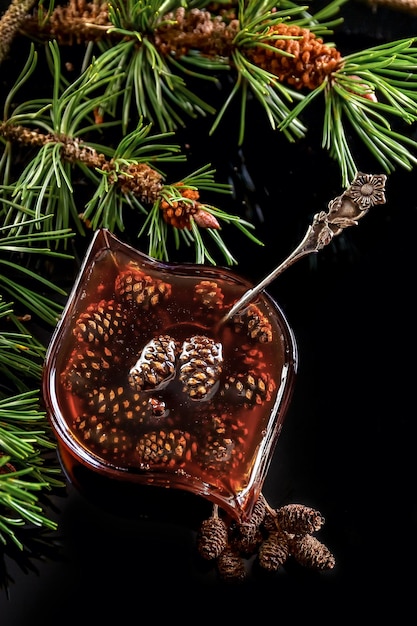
(143, 383)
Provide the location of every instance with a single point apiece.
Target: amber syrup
(152, 387)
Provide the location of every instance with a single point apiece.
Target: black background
(347, 447)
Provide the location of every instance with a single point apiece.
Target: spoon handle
(365, 191)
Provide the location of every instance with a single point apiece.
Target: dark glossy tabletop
(347, 447)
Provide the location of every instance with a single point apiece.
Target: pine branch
(122, 176)
(275, 53)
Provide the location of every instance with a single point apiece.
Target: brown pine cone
(156, 364)
(200, 366)
(259, 511)
(134, 286)
(274, 551)
(231, 566)
(209, 295)
(212, 537)
(253, 323)
(142, 181)
(252, 388)
(169, 448)
(299, 519)
(310, 64)
(310, 552)
(103, 437)
(88, 368)
(246, 544)
(100, 322)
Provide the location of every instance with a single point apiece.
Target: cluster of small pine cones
(271, 535)
(124, 416)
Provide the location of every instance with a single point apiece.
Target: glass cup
(143, 383)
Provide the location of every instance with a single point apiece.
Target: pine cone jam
(143, 383)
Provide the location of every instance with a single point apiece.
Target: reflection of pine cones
(200, 366)
(311, 63)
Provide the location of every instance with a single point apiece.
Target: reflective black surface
(347, 447)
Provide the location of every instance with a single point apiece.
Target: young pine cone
(200, 361)
(311, 63)
(87, 369)
(254, 324)
(231, 566)
(310, 552)
(100, 322)
(178, 212)
(156, 364)
(169, 448)
(134, 286)
(10, 23)
(208, 294)
(299, 519)
(274, 551)
(212, 537)
(253, 389)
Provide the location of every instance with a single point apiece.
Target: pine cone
(10, 23)
(259, 511)
(178, 212)
(254, 324)
(73, 23)
(209, 295)
(170, 448)
(231, 566)
(253, 389)
(200, 366)
(310, 552)
(100, 322)
(218, 448)
(134, 286)
(103, 437)
(273, 551)
(122, 406)
(156, 364)
(88, 368)
(212, 537)
(299, 519)
(312, 61)
(142, 181)
(247, 544)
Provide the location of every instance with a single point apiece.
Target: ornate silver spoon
(365, 191)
